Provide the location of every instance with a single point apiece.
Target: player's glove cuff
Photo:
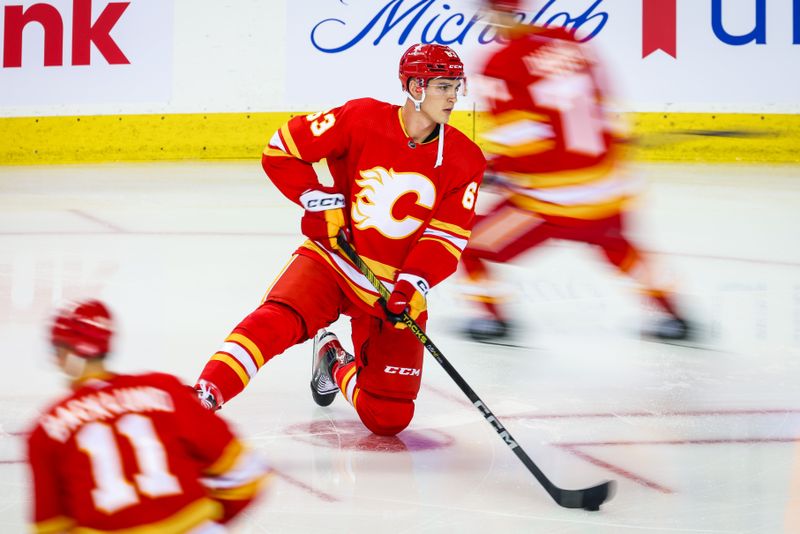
(324, 216)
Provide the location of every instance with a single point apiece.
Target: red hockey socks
(266, 332)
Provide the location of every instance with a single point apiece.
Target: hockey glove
(408, 295)
(324, 216)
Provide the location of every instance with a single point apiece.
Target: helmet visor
(447, 86)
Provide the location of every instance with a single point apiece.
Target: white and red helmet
(84, 328)
(425, 62)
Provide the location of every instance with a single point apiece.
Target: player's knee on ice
(384, 416)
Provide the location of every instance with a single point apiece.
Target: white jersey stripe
(351, 273)
(277, 142)
(248, 468)
(519, 132)
(459, 242)
(604, 190)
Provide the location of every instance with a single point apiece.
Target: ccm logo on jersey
(405, 371)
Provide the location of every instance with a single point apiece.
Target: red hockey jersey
(550, 134)
(125, 451)
(406, 213)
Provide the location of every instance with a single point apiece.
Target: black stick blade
(588, 499)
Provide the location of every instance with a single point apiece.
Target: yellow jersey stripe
(55, 525)
(515, 115)
(383, 270)
(275, 153)
(363, 295)
(486, 299)
(448, 227)
(564, 178)
(578, 211)
(402, 123)
(226, 460)
(403, 126)
(289, 140)
(194, 514)
(523, 149)
(240, 493)
(272, 284)
(526, 149)
(447, 246)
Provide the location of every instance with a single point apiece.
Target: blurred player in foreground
(404, 192)
(553, 155)
(132, 453)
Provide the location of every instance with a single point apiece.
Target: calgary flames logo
(380, 189)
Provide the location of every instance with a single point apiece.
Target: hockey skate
(209, 395)
(489, 330)
(327, 350)
(671, 329)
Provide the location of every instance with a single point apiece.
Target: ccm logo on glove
(323, 204)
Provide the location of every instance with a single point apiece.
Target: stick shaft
(423, 338)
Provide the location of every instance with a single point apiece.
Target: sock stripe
(250, 346)
(344, 383)
(242, 356)
(351, 386)
(234, 365)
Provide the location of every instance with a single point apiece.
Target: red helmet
(83, 327)
(427, 61)
(503, 5)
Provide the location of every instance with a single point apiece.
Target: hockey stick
(588, 499)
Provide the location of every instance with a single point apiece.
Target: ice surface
(699, 440)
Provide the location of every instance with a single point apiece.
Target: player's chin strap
(417, 103)
(418, 107)
(440, 151)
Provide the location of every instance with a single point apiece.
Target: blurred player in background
(404, 193)
(132, 453)
(553, 155)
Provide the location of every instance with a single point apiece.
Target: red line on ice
(302, 485)
(630, 475)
